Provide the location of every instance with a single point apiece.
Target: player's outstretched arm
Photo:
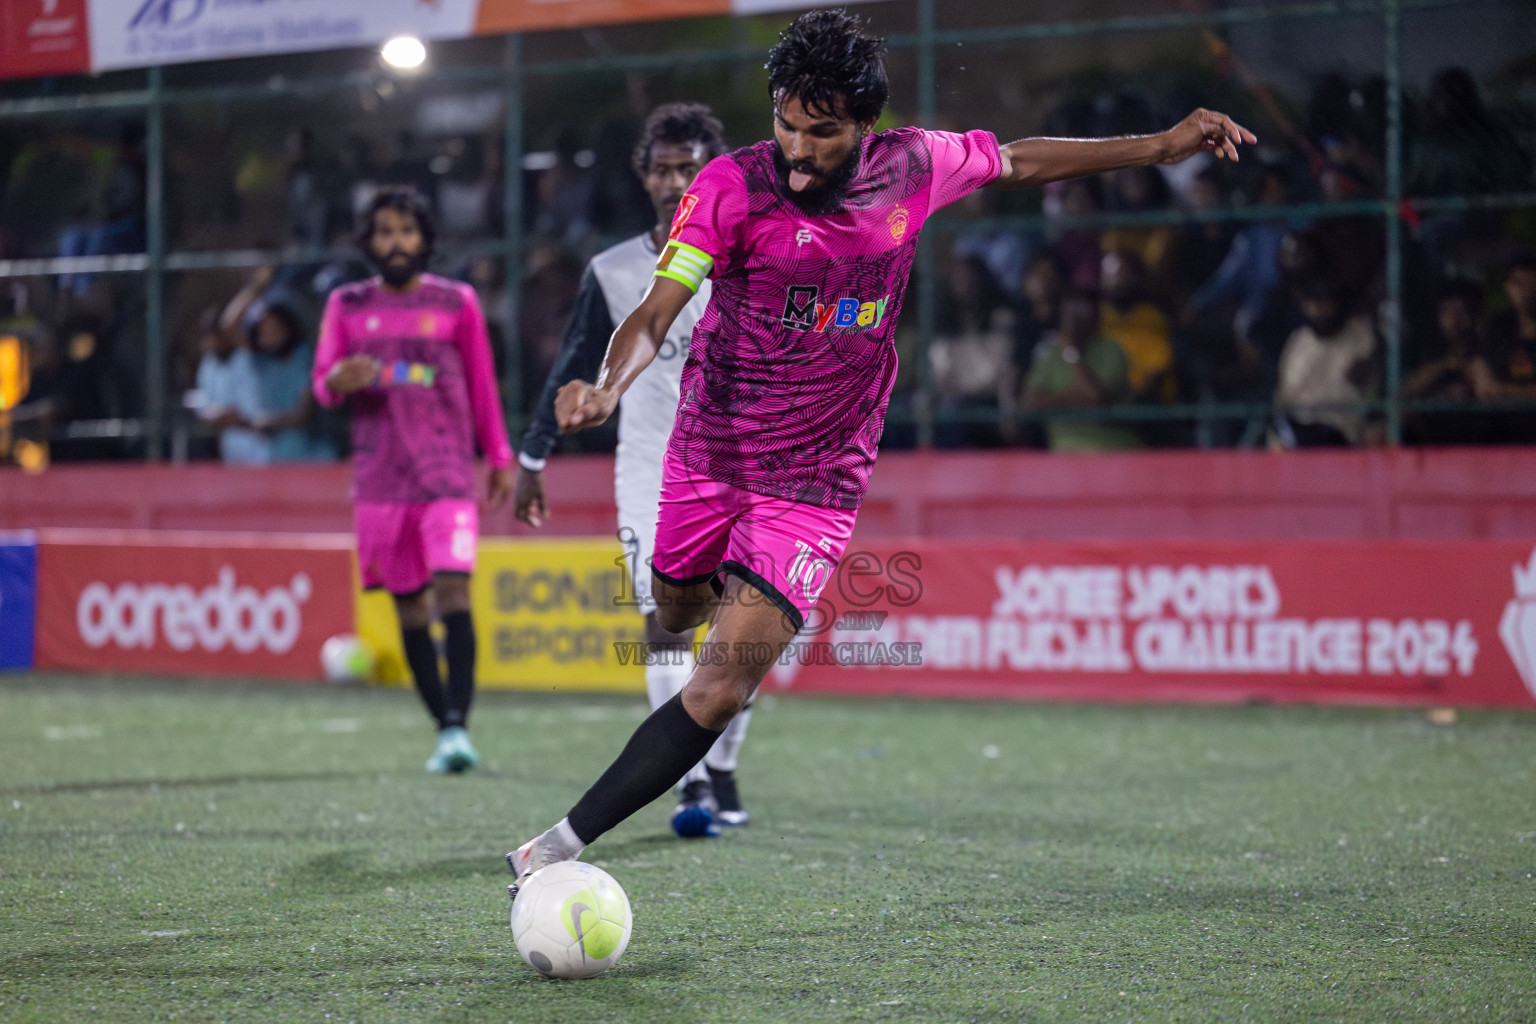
(580, 405)
(1038, 161)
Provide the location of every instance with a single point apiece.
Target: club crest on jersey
(684, 211)
(802, 311)
(898, 222)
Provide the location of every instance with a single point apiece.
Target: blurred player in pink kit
(809, 239)
(412, 350)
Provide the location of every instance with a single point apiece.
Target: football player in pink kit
(676, 143)
(412, 351)
(809, 240)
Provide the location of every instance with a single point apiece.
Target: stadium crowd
(1267, 330)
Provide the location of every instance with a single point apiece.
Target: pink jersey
(791, 366)
(415, 432)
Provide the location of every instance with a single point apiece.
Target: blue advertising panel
(18, 599)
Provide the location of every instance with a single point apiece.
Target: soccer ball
(346, 659)
(571, 920)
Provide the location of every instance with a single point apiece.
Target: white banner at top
(135, 33)
(53, 37)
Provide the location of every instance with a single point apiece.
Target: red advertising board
(191, 604)
(1397, 622)
(43, 37)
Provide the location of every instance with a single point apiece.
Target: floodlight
(404, 52)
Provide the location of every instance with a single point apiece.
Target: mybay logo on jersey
(401, 373)
(803, 311)
(222, 614)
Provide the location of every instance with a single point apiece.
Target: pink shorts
(785, 549)
(400, 546)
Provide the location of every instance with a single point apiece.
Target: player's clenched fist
(579, 405)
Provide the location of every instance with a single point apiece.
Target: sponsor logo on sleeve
(684, 211)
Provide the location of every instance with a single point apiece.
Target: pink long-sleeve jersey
(791, 366)
(415, 432)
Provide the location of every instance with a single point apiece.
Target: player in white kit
(678, 140)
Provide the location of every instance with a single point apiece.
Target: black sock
(421, 655)
(665, 746)
(461, 667)
(724, 785)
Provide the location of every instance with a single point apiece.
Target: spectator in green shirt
(1076, 368)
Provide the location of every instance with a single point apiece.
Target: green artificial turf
(208, 852)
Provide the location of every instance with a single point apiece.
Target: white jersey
(612, 286)
(649, 408)
(614, 283)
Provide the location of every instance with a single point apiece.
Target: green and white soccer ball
(346, 659)
(571, 920)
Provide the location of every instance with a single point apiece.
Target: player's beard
(398, 273)
(829, 195)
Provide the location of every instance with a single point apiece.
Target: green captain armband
(683, 262)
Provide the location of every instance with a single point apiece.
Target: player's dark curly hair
(403, 199)
(679, 124)
(822, 58)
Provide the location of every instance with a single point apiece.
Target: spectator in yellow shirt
(1141, 190)
(1142, 330)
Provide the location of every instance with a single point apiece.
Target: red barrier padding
(1394, 622)
(276, 499)
(1387, 622)
(1375, 494)
(1466, 493)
